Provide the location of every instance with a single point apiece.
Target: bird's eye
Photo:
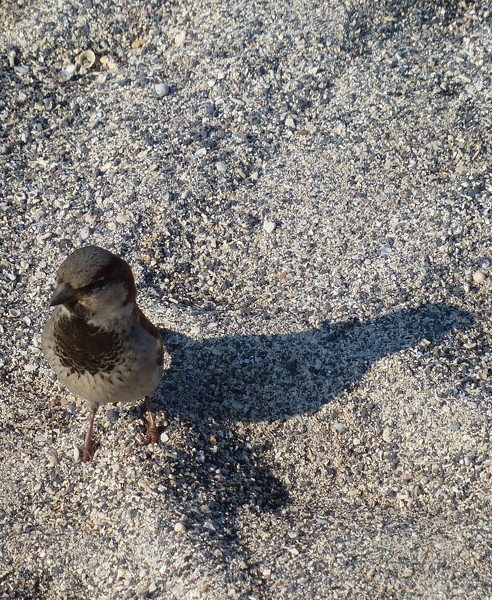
(97, 284)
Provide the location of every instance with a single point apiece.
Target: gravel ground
(303, 191)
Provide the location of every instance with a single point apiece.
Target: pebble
(179, 39)
(113, 415)
(478, 277)
(339, 427)
(66, 75)
(289, 122)
(387, 434)
(164, 437)
(84, 233)
(210, 526)
(220, 166)
(179, 527)
(161, 89)
(152, 588)
(269, 226)
(13, 312)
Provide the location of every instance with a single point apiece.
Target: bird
(98, 341)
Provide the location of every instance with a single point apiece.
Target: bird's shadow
(215, 384)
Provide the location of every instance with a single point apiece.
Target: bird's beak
(63, 294)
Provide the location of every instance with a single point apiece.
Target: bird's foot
(152, 429)
(88, 453)
(152, 433)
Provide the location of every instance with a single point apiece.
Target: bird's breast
(83, 347)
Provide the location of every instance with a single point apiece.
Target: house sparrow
(98, 342)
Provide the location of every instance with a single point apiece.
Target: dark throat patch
(83, 347)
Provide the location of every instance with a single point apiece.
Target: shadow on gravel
(253, 378)
(215, 387)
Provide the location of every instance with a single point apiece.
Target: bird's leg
(152, 430)
(88, 453)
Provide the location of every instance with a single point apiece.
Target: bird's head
(97, 285)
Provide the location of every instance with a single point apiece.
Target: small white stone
(220, 166)
(161, 89)
(152, 588)
(339, 427)
(289, 122)
(164, 437)
(65, 75)
(84, 233)
(121, 218)
(269, 226)
(387, 434)
(478, 277)
(210, 526)
(179, 39)
(179, 527)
